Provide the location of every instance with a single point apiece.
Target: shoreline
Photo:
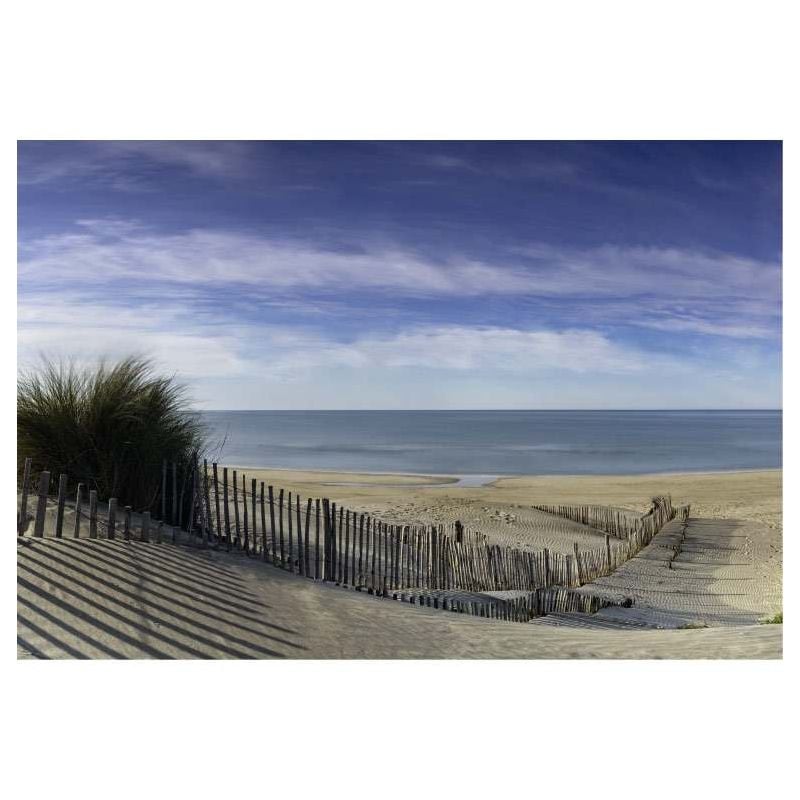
(454, 479)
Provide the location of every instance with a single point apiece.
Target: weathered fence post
(335, 531)
(263, 525)
(316, 540)
(41, 504)
(339, 541)
(23, 508)
(77, 531)
(237, 528)
(93, 514)
(216, 502)
(345, 573)
(305, 548)
(326, 538)
(62, 498)
(245, 515)
(208, 528)
(361, 549)
(301, 556)
(112, 517)
(126, 529)
(226, 509)
(280, 527)
(291, 545)
(254, 523)
(193, 500)
(272, 523)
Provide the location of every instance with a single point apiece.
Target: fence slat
(308, 526)
(216, 501)
(22, 522)
(344, 543)
(264, 554)
(237, 542)
(62, 499)
(245, 516)
(226, 508)
(93, 514)
(280, 528)
(300, 555)
(316, 540)
(77, 530)
(41, 504)
(290, 510)
(208, 527)
(326, 539)
(272, 522)
(112, 518)
(253, 500)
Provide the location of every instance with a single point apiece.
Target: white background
(441, 70)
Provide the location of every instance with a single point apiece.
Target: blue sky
(412, 274)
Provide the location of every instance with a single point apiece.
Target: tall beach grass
(109, 427)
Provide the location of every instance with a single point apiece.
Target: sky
(400, 275)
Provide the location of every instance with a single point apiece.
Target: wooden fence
(524, 608)
(317, 539)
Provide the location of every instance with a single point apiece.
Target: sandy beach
(505, 504)
(131, 599)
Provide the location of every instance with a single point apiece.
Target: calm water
(500, 442)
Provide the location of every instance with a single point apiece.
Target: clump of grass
(777, 619)
(690, 626)
(108, 427)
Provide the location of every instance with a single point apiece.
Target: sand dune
(102, 599)
(115, 599)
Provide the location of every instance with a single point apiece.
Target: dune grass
(777, 619)
(108, 427)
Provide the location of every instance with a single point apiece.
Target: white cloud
(230, 363)
(216, 345)
(489, 349)
(69, 327)
(115, 249)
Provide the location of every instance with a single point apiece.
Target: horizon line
(445, 410)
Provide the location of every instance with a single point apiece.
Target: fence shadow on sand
(100, 599)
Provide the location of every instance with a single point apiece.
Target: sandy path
(102, 599)
(723, 574)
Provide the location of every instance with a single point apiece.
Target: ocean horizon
(499, 442)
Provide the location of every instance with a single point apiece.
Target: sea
(494, 443)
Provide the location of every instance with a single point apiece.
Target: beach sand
(95, 598)
(111, 599)
(503, 507)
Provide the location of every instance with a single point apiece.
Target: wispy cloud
(668, 289)
(128, 166)
(235, 363)
(115, 248)
(213, 343)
